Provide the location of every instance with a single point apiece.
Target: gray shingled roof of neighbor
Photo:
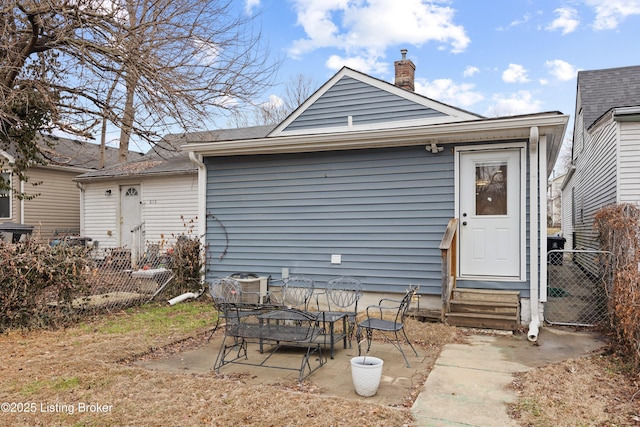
(602, 90)
(166, 157)
(65, 152)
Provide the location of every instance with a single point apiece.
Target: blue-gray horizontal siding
(384, 211)
(366, 104)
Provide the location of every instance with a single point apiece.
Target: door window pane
(491, 188)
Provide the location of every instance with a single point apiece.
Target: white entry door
(130, 214)
(490, 213)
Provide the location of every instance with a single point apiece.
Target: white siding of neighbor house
(629, 163)
(567, 215)
(101, 213)
(595, 181)
(165, 202)
(168, 204)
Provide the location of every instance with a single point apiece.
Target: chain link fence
(578, 284)
(55, 280)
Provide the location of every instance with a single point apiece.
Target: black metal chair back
(297, 292)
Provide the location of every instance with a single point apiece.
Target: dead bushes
(38, 283)
(619, 228)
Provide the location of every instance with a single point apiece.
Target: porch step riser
(505, 323)
(486, 295)
(484, 308)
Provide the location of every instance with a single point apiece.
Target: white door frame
(523, 188)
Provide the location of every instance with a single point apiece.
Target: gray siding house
(606, 151)
(363, 180)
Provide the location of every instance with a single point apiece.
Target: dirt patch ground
(82, 376)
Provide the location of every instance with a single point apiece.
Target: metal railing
(137, 244)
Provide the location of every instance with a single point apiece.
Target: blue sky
(495, 58)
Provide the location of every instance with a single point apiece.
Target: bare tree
(276, 109)
(147, 67)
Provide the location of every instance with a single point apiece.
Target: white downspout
(22, 202)
(542, 148)
(534, 325)
(80, 186)
(202, 196)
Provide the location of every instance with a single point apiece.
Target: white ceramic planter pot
(366, 372)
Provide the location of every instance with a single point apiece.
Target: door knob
(464, 223)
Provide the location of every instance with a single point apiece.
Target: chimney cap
(404, 53)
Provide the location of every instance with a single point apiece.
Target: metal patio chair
(296, 292)
(225, 291)
(341, 296)
(376, 321)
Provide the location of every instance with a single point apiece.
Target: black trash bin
(555, 243)
(16, 230)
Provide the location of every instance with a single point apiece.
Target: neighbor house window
(5, 196)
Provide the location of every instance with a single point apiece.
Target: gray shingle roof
(602, 90)
(252, 132)
(165, 157)
(65, 152)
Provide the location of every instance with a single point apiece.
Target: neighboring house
(554, 201)
(152, 199)
(362, 180)
(55, 209)
(606, 151)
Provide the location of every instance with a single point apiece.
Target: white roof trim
(372, 126)
(7, 156)
(455, 113)
(505, 128)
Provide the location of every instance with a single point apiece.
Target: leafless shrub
(618, 226)
(38, 283)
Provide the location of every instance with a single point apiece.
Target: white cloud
(366, 29)
(517, 22)
(364, 64)
(521, 102)
(449, 92)
(470, 71)
(515, 73)
(561, 70)
(272, 103)
(249, 5)
(567, 20)
(610, 13)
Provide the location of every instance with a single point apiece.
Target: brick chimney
(405, 72)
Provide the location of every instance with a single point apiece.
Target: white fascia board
(509, 128)
(9, 157)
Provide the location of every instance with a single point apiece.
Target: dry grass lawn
(46, 375)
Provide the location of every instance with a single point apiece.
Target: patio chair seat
(375, 321)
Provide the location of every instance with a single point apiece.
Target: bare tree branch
(147, 67)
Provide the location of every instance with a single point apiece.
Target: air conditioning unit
(253, 284)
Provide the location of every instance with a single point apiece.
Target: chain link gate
(578, 282)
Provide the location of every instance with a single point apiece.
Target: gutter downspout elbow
(534, 325)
